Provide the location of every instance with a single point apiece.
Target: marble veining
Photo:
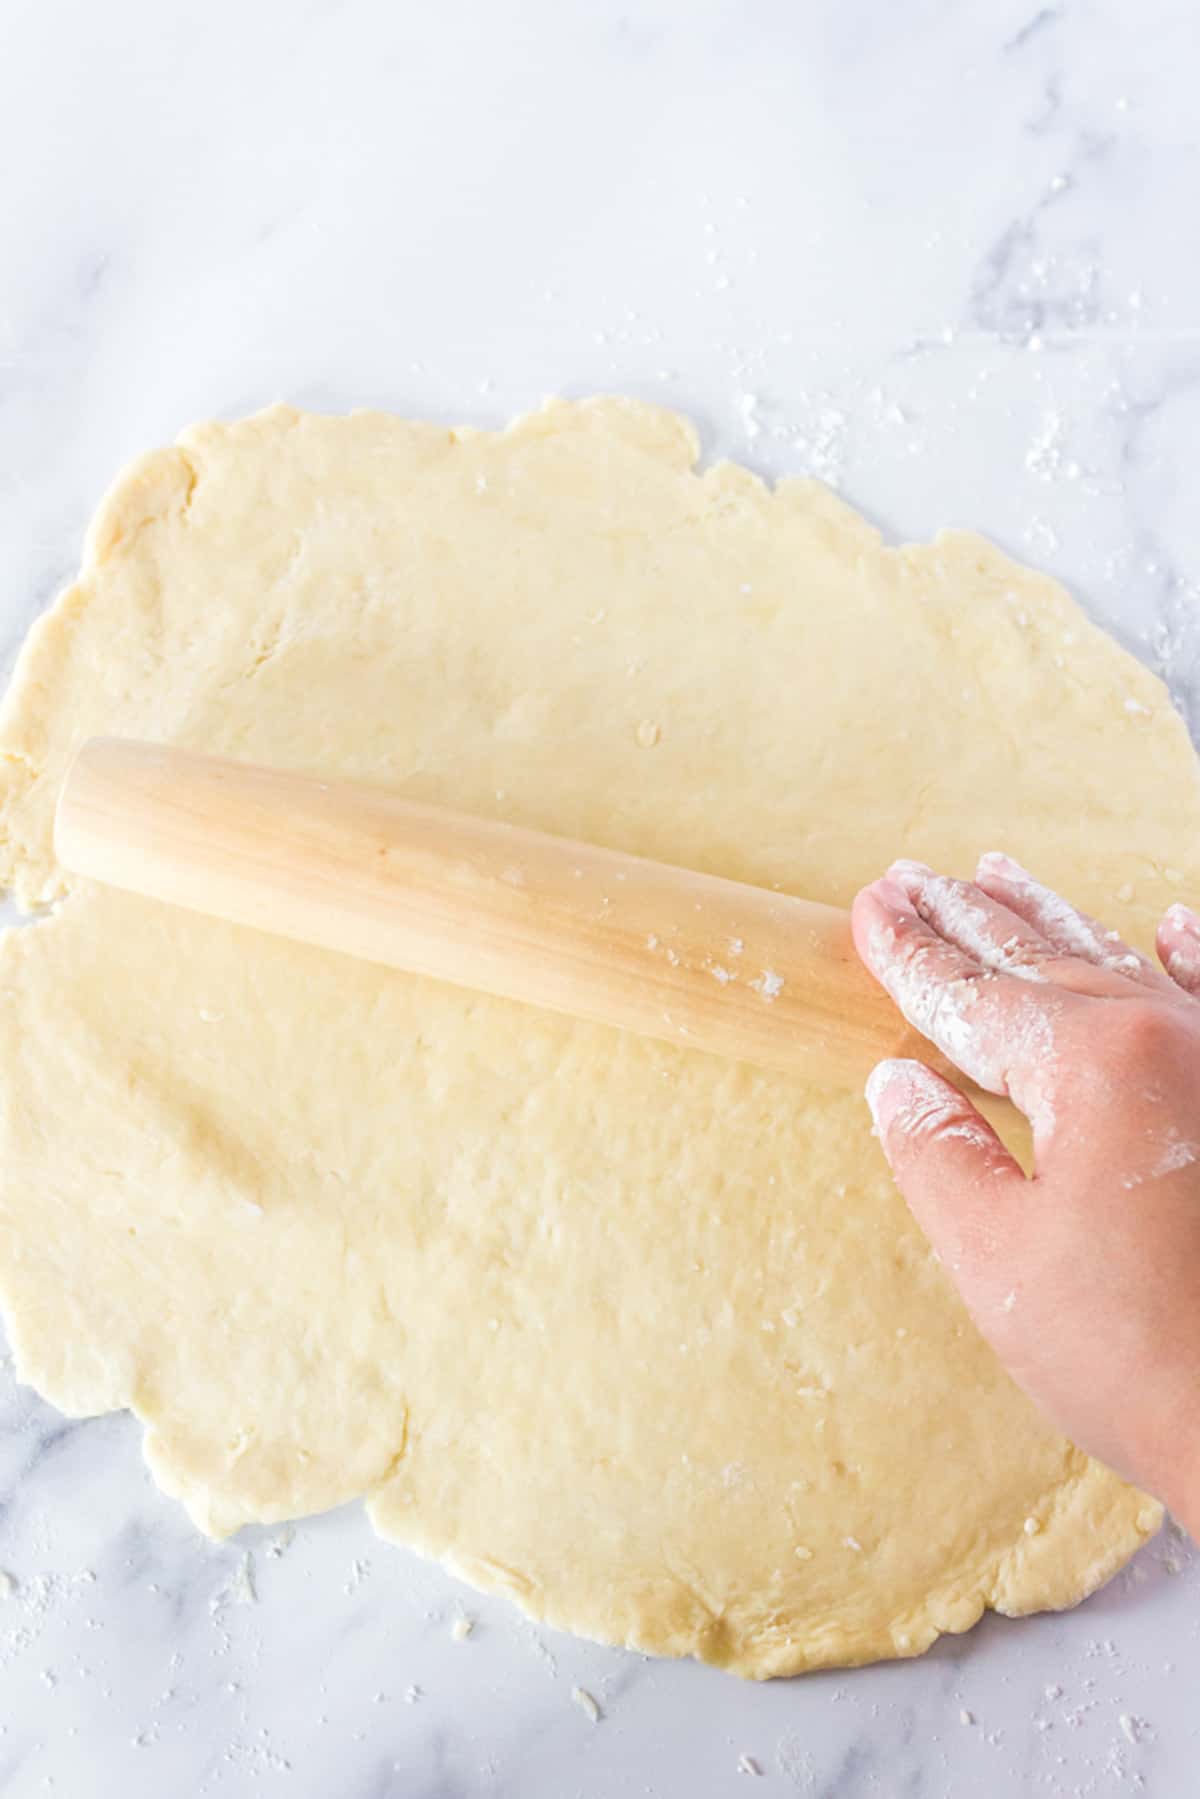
(942, 256)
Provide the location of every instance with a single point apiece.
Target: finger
(956, 1175)
(1178, 944)
(976, 922)
(1072, 933)
(998, 1030)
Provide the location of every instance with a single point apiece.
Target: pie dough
(644, 1339)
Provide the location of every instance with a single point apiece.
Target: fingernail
(910, 876)
(878, 1082)
(893, 893)
(997, 863)
(895, 1082)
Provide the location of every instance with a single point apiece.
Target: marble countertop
(942, 256)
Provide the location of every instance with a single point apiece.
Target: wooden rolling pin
(697, 961)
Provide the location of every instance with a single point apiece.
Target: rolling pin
(692, 959)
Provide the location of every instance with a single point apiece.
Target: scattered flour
(360, 1567)
(948, 905)
(239, 1589)
(1071, 932)
(751, 422)
(1178, 1154)
(1006, 1049)
(926, 1107)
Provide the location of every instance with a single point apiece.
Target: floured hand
(1084, 1278)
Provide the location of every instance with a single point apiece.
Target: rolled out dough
(645, 1340)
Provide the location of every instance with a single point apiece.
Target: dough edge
(1091, 1503)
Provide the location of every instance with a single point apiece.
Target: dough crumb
(966, 1717)
(583, 1699)
(1129, 1727)
(461, 1628)
(802, 1553)
(411, 1695)
(748, 1765)
(648, 734)
(1031, 1527)
(8, 1584)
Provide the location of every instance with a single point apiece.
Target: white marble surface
(942, 254)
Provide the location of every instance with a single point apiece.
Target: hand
(1084, 1278)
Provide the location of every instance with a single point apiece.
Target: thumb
(956, 1175)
